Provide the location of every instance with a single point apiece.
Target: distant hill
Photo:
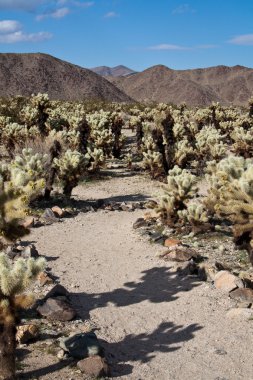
(118, 71)
(25, 74)
(197, 87)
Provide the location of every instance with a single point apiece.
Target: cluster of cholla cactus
(179, 190)
(231, 197)
(70, 167)
(14, 280)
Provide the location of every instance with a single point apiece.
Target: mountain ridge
(28, 73)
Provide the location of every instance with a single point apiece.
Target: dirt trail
(156, 325)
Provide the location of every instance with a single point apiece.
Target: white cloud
(26, 5)
(167, 47)
(244, 39)
(58, 13)
(9, 26)
(11, 31)
(111, 15)
(183, 8)
(20, 36)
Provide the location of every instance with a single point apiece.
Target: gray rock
(49, 217)
(94, 366)
(57, 291)
(140, 222)
(56, 309)
(242, 295)
(82, 345)
(29, 251)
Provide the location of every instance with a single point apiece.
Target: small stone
(29, 222)
(171, 243)
(58, 212)
(180, 254)
(240, 313)
(29, 251)
(242, 295)
(81, 345)
(140, 222)
(44, 279)
(222, 249)
(94, 366)
(26, 333)
(227, 281)
(49, 216)
(56, 309)
(61, 355)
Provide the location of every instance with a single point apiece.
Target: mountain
(197, 87)
(118, 71)
(25, 74)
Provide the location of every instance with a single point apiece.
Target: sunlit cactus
(180, 188)
(70, 167)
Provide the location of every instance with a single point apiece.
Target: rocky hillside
(118, 71)
(198, 87)
(24, 74)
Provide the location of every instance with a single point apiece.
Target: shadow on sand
(156, 285)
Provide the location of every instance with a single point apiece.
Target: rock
(27, 333)
(56, 291)
(242, 295)
(61, 355)
(44, 279)
(171, 243)
(29, 222)
(94, 366)
(227, 281)
(56, 309)
(180, 254)
(29, 251)
(81, 345)
(48, 216)
(240, 313)
(140, 222)
(58, 212)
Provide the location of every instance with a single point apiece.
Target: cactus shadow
(143, 348)
(155, 285)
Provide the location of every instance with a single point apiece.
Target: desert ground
(152, 322)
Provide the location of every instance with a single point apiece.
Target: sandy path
(157, 325)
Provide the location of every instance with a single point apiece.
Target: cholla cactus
(243, 141)
(196, 217)
(129, 160)
(96, 159)
(209, 143)
(13, 134)
(14, 280)
(70, 167)
(184, 153)
(28, 167)
(180, 188)
(153, 162)
(233, 197)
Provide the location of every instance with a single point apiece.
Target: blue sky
(136, 33)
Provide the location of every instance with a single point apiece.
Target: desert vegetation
(202, 157)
